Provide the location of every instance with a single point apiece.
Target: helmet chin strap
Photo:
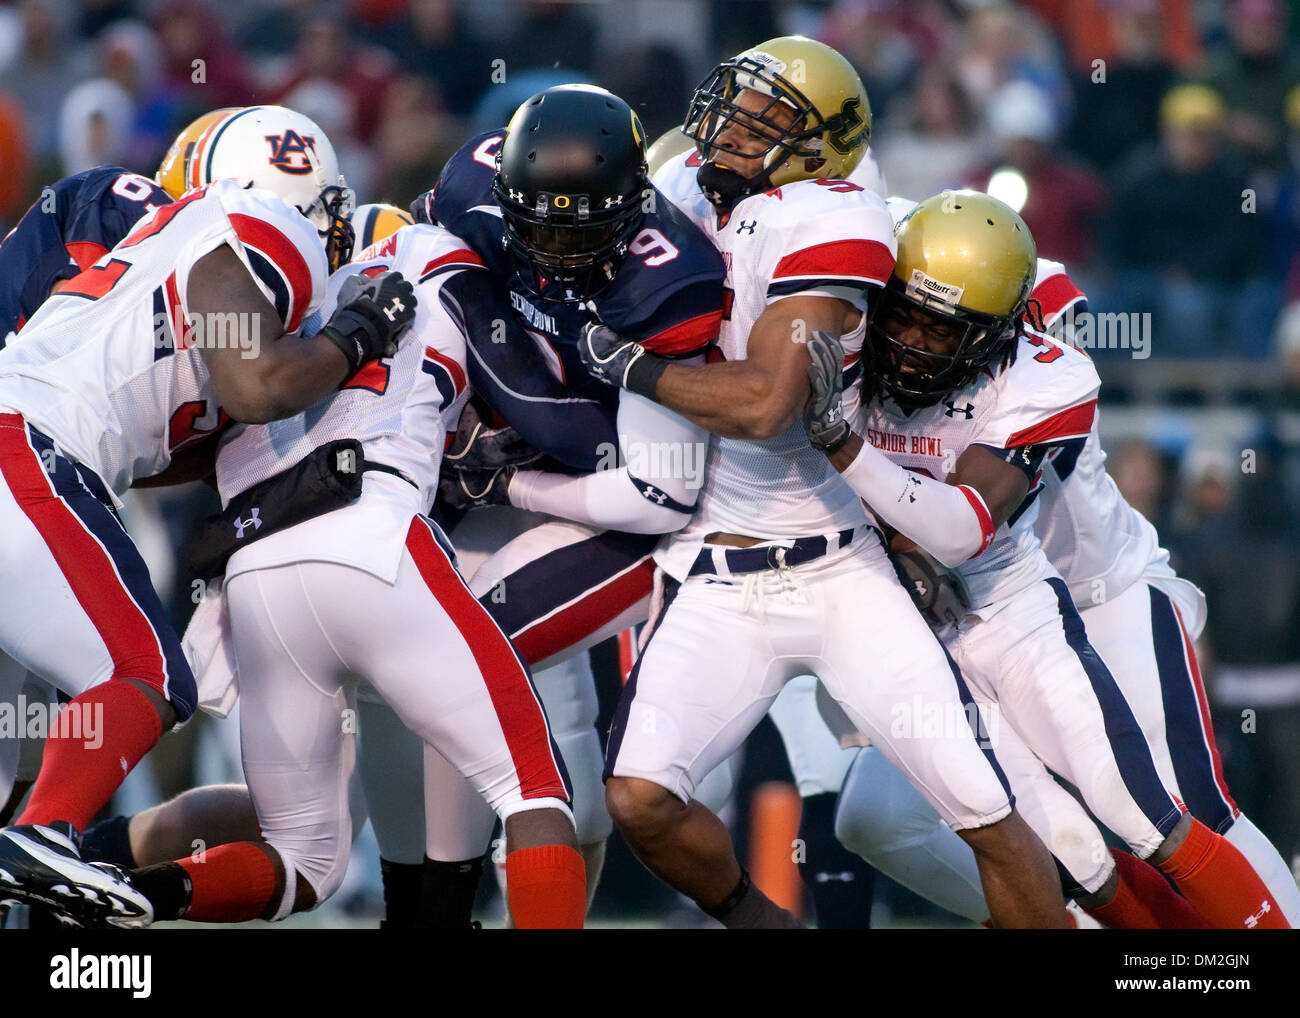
(724, 187)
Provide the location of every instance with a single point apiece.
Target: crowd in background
(1155, 145)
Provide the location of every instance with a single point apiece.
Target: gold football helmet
(818, 87)
(174, 170)
(376, 222)
(669, 144)
(966, 265)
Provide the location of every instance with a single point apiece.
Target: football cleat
(42, 866)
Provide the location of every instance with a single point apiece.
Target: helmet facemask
(564, 249)
(715, 105)
(916, 377)
(331, 213)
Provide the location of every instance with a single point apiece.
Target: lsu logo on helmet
(289, 152)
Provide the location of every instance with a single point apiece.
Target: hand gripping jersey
(109, 367)
(70, 227)
(814, 238)
(667, 294)
(403, 409)
(1099, 543)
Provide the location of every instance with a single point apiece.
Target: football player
(368, 589)
(780, 573)
(953, 388)
(130, 363)
(558, 208)
(1141, 618)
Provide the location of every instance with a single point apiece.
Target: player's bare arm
(289, 374)
(755, 398)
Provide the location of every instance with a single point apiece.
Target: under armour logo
(747, 226)
(654, 495)
(517, 195)
(252, 521)
(613, 201)
(953, 409)
(394, 306)
(1253, 920)
(909, 489)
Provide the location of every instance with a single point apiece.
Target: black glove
(827, 429)
(618, 361)
(939, 593)
(371, 315)
(480, 447)
(474, 489)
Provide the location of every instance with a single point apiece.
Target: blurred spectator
(1059, 201)
(557, 34)
(131, 55)
(97, 15)
(14, 156)
(1139, 473)
(498, 104)
(1253, 74)
(652, 79)
(275, 30)
(933, 141)
(1118, 112)
(415, 138)
(1006, 43)
(1241, 546)
(330, 107)
(434, 41)
(199, 62)
(95, 126)
(1287, 344)
(1280, 201)
(47, 64)
(870, 34)
(358, 71)
(1181, 241)
(1097, 29)
(737, 25)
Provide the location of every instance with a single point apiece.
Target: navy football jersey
(68, 229)
(667, 295)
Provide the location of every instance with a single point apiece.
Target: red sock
(88, 755)
(1144, 900)
(233, 883)
(547, 888)
(1220, 884)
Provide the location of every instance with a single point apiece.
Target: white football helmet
(287, 153)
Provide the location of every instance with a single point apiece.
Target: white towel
(211, 653)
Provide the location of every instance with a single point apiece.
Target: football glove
(475, 489)
(480, 447)
(618, 361)
(827, 429)
(372, 314)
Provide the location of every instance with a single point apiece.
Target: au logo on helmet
(289, 151)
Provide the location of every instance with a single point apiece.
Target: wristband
(642, 376)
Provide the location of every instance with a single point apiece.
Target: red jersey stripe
(457, 372)
(463, 256)
(987, 530)
(866, 259)
(687, 336)
(85, 253)
(1075, 422)
(282, 252)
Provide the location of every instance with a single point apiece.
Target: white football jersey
(813, 238)
(403, 409)
(1047, 397)
(1099, 543)
(110, 367)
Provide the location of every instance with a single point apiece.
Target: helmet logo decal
(561, 201)
(922, 286)
(289, 152)
(844, 127)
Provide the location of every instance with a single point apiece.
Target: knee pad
(319, 860)
(879, 811)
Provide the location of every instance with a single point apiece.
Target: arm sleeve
(651, 489)
(508, 371)
(951, 522)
